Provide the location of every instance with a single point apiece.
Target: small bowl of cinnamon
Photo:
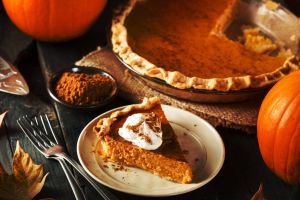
(82, 87)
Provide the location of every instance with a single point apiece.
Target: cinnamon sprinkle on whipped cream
(143, 130)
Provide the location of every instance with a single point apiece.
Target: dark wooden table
(239, 178)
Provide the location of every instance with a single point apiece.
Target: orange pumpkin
(278, 128)
(54, 20)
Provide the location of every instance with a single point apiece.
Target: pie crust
(103, 126)
(177, 79)
(167, 161)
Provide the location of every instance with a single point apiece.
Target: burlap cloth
(240, 115)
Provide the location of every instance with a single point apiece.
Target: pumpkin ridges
(37, 22)
(278, 125)
(67, 20)
(293, 147)
(276, 128)
(82, 16)
(283, 139)
(265, 136)
(82, 10)
(91, 15)
(27, 22)
(293, 150)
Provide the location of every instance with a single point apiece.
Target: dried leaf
(26, 180)
(2, 116)
(259, 195)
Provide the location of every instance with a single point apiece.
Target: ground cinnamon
(83, 89)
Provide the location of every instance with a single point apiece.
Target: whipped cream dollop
(143, 130)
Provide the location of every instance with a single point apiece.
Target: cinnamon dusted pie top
(182, 42)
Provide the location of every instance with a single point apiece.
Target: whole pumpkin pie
(183, 43)
(140, 135)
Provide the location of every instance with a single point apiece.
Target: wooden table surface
(239, 178)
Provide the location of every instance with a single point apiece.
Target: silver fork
(50, 149)
(78, 193)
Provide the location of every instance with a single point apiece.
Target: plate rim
(197, 186)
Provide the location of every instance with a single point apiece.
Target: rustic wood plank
(6, 152)
(36, 102)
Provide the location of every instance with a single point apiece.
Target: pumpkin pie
(183, 43)
(166, 160)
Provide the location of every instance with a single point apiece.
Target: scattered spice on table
(83, 89)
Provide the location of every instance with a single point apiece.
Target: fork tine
(45, 133)
(38, 133)
(30, 136)
(34, 133)
(36, 122)
(43, 123)
(39, 126)
(51, 129)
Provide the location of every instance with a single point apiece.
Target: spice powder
(83, 89)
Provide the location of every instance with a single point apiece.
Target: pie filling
(183, 43)
(166, 161)
(177, 36)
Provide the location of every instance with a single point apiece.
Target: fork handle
(107, 195)
(78, 193)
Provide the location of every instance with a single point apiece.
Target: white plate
(204, 151)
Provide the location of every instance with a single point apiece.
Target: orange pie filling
(176, 35)
(183, 43)
(166, 161)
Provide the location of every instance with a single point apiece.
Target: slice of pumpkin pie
(140, 136)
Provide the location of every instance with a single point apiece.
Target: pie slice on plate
(140, 136)
(183, 43)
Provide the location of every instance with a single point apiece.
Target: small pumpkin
(278, 128)
(53, 20)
